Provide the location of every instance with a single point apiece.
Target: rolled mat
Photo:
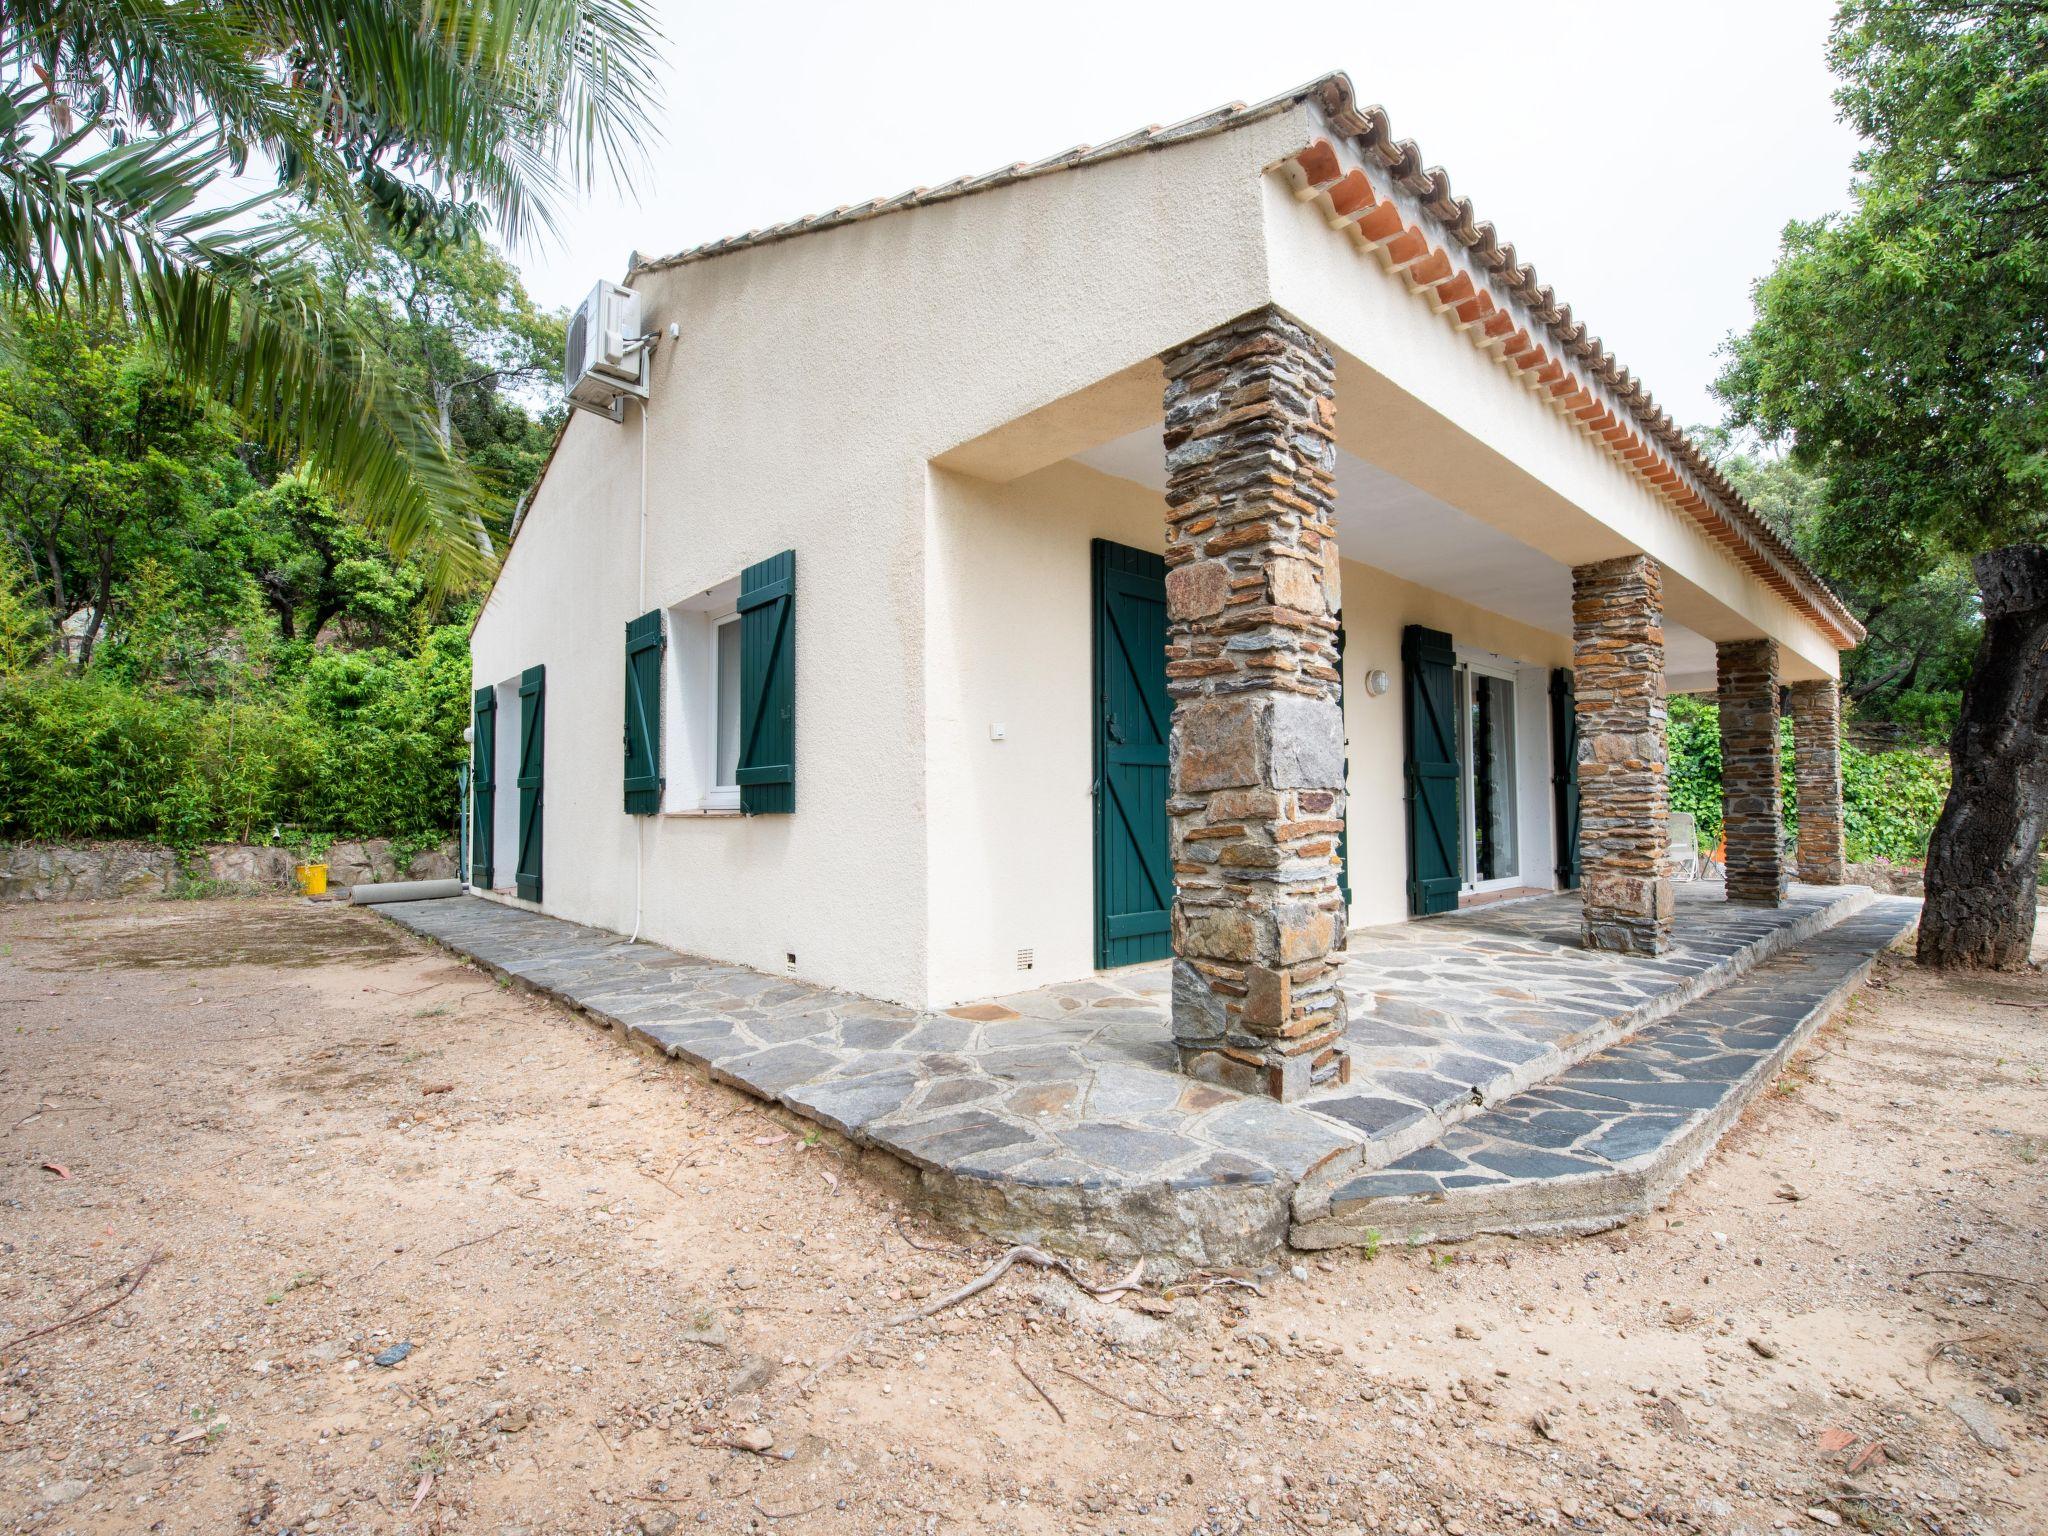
(403, 890)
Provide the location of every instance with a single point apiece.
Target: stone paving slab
(1458, 1012)
(1609, 1138)
(1072, 1127)
(1057, 1114)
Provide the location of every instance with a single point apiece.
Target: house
(1201, 544)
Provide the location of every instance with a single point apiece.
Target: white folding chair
(1683, 834)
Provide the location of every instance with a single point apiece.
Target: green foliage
(1890, 800)
(1694, 745)
(254, 660)
(1923, 627)
(415, 123)
(358, 744)
(1897, 348)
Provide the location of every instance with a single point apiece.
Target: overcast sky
(1644, 155)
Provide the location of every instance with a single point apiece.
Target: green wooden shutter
(1564, 775)
(533, 699)
(644, 645)
(1344, 831)
(767, 771)
(1133, 719)
(1428, 665)
(483, 786)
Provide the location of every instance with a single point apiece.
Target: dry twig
(1121, 1402)
(472, 1242)
(1055, 1407)
(1978, 1274)
(127, 1290)
(1023, 1253)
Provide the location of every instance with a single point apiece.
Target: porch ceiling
(1386, 523)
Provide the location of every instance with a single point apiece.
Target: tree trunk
(1983, 861)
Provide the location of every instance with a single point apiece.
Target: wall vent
(789, 962)
(1026, 959)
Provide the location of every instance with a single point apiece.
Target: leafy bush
(1890, 800)
(1930, 713)
(1694, 743)
(356, 744)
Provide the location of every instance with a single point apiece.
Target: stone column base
(1627, 914)
(1284, 1068)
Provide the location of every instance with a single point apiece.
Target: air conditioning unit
(608, 356)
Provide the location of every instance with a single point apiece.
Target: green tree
(103, 457)
(416, 120)
(1899, 349)
(460, 330)
(1922, 632)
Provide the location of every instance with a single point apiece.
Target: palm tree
(123, 121)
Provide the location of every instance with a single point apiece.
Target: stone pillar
(1752, 803)
(1255, 765)
(1817, 779)
(1624, 793)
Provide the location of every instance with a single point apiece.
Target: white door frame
(1486, 664)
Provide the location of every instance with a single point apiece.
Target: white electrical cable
(640, 822)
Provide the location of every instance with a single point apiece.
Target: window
(1488, 783)
(726, 709)
(701, 717)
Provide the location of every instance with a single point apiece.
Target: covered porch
(1061, 1115)
(1359, 679)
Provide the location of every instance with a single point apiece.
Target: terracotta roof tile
(1353, 204)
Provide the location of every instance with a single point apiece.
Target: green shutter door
(533, 699)
(767, 771)
(1133, 716)
(1564, 775)
(1428, 665)
(483, 787)
(644, 646)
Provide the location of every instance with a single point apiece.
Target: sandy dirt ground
(258, 1151)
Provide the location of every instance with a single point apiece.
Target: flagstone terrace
(1060, 1115)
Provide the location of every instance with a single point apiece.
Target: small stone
(754, 1438)
(1767, 1351)
(1978, 1421)
(390, 1357)
(659, 1522)
(65, 1490)
(1300, 1271)
(706, 1328)
(1823, 1515)
(754, 1373)
(744, 1280)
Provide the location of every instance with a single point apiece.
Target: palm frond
(235, 306)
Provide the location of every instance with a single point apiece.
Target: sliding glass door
(1487, 780)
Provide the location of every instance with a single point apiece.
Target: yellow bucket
(312, 879)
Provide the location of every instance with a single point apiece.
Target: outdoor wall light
(1377, 682)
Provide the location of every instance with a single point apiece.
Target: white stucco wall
(896, 400)
(814, 381)
(1012, 822)
(1376, 609)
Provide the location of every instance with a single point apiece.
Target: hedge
(1890, 800)
(357, 744)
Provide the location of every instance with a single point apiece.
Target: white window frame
(505, 791)
(689, 717)
(1487, 665)
(717, 796)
